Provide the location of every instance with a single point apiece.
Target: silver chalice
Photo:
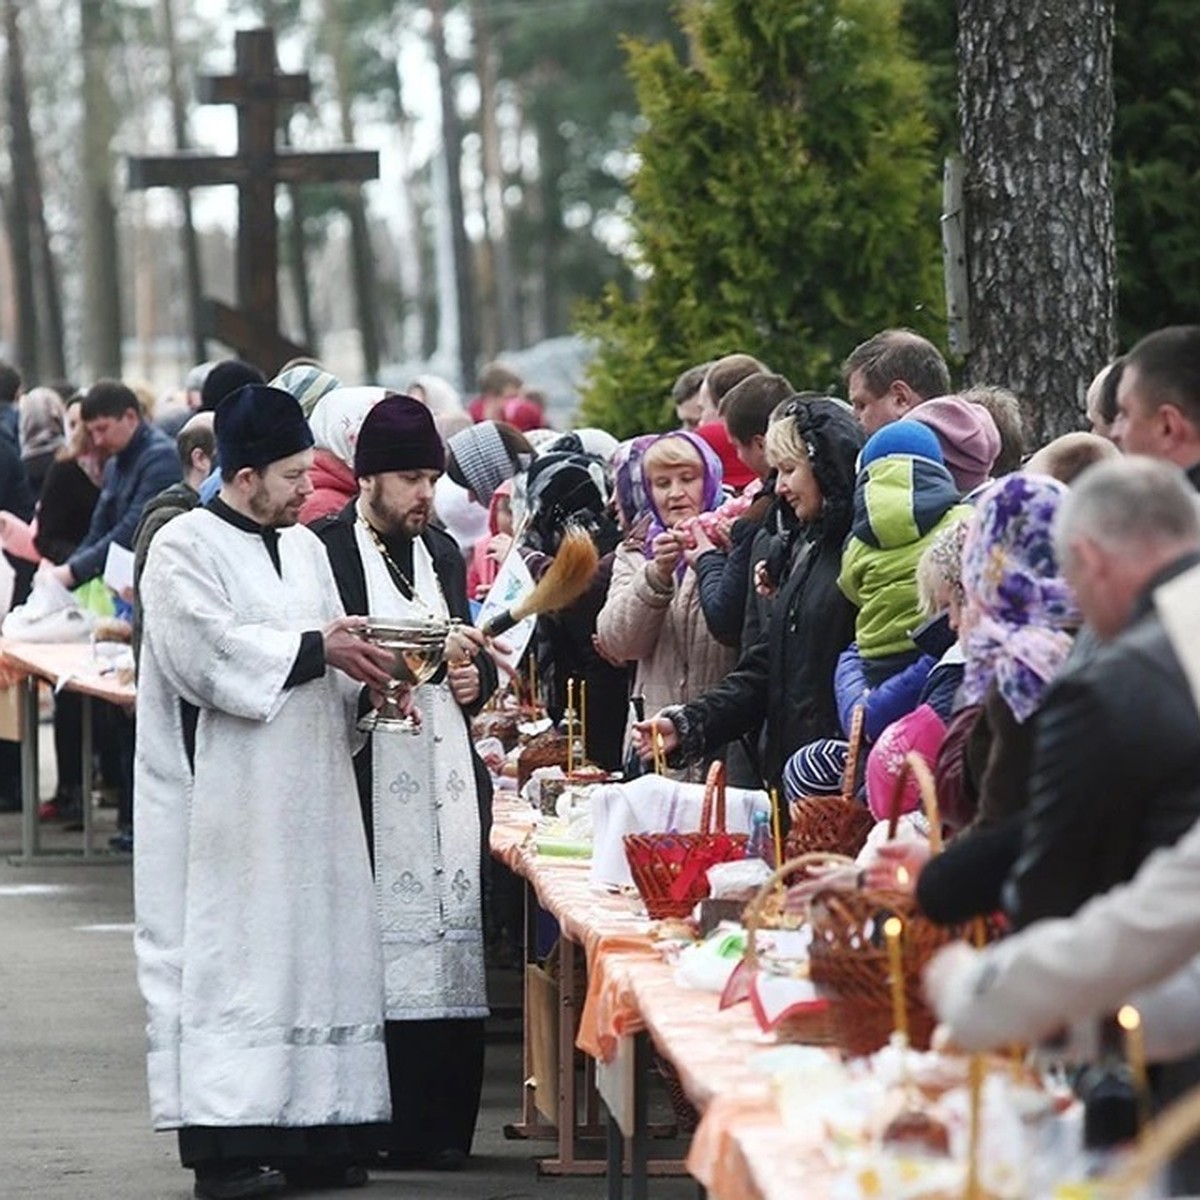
(418, 647)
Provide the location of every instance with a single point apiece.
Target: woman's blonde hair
(784, 442)
(671, 452)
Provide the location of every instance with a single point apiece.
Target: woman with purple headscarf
(1018, 623)
(652, 615)
(1017, 627)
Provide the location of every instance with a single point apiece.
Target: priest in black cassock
(426, 799)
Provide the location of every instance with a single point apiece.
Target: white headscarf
(338, 416)
(440, 397)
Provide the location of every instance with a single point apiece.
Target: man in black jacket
(1116, 770)
(427, 798)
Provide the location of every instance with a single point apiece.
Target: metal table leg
(30, 787)
(639, 1150)
(614, 1147)
(530, 1125)
(85, 773)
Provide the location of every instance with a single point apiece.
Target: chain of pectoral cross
(399, 577)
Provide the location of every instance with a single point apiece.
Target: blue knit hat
(902, 437)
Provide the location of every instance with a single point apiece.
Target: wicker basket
(766, 911)
(849, 955)
(837, 824)
(671, 869)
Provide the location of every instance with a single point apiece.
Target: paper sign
(118, 569)
(513, 583)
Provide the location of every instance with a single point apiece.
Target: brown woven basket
(764, 912)
(671, 869)
(837, 824)
(849, 956)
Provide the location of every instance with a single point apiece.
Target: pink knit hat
(968, 435)
(921, 730)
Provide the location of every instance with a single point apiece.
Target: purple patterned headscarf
(713, 474)
(629, 485)
(1026, 611)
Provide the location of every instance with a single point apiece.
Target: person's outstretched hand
(643, 736)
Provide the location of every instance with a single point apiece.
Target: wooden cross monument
(257, 89)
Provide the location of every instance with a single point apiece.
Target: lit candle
(583, 722)
(1130, 1021)
(777, 827)
(892, 929)
(570, 726)
(659, 755)
(975, 1085)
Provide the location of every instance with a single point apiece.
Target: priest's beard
(273, 511)
(395, 515)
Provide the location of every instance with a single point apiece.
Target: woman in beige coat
(652, 615)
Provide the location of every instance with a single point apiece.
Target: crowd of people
(314, 904)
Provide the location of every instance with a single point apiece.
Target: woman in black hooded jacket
(785, 679)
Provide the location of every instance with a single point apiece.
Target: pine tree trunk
(1036, 113)
(17, 208)
(464, 274)
(504, 292)
(101, 274)
(191, 245)
(352, 203)
(298, 263)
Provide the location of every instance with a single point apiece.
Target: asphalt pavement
(74, 1122)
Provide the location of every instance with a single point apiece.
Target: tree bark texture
(464, 272)
(363, 259)
(1036, 113)
(191, 245)
(101, 271)
(17, 206)
(502, 292)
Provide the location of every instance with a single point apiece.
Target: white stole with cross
(427, 836)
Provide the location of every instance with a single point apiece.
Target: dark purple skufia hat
(398, 434)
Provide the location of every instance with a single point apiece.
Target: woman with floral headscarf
(652, 615)
(1017, 627)
(1018, 623)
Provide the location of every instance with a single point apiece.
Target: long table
(83, 673)
(632, 994)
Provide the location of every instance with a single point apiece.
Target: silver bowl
(418, 648)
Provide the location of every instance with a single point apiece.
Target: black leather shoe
(239, 1184)
(322, 1177)
(446, 1160)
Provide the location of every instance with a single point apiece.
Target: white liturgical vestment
(257, 935)
(427, 836)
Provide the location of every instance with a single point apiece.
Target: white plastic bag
(51, 614)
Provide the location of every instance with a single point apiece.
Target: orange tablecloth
(76, 660)
(741, 1149)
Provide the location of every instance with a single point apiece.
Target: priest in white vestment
(257, 933)
(426, 798)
